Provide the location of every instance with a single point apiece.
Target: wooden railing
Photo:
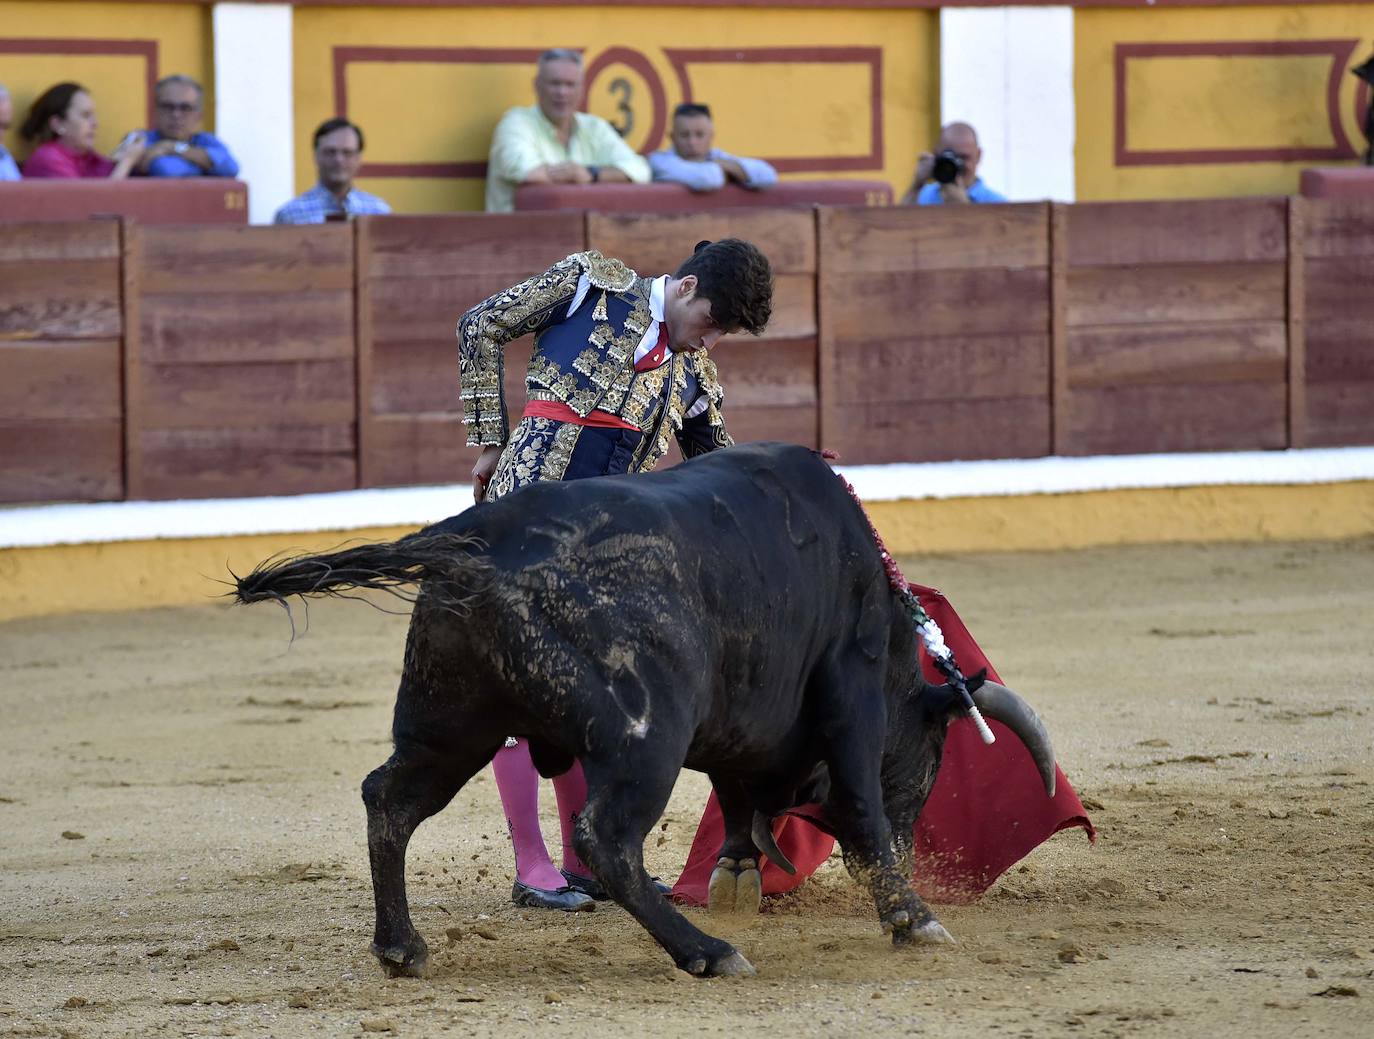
(160, 362)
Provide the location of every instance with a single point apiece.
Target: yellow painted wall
(1206, 101)
(423, 110)
(182, 33)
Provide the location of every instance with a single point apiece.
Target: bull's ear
(975, 682)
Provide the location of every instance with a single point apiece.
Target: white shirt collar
(656, 293)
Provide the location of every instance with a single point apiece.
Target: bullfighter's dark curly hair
(736, 277)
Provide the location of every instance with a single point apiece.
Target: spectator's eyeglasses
(179, 107)
(339, 153)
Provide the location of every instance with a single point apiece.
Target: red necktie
(656, 356)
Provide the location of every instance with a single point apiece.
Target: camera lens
(948, 166)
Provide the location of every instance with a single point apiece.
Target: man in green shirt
(553, 143)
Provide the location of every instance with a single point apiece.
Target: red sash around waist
(551, 409)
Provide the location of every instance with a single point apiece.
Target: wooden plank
(1296, 367)
(898, 305)
(937, 431)
(794, 308)
(1212, 352)
(408, 309)
(66, 459)
(508, 245)
(247, 326)
(60, 299)
(419, 448)
(1177, 231)
(1338, 227)
(131, 303)
(416, 376)
(827, 341)
(23, 242)
(795, 424)
(1338, 285)
(56, 379)
(275, 458)
(364, 344)
(246, 395)
(931, 368)
(1339, 350)
(754, 374)
(1177, 293)
(1339, 414)
(1061, 401)
(935, 237)
(1144, 419)
(197, 261)
(657, 243)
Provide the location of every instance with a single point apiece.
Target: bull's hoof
(735, 887)
(731, 965)
(931, 932)
(404, 961)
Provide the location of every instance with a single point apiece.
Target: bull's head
(916, 741)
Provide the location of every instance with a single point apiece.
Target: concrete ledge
(132, 555)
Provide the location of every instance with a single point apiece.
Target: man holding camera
(950, 174)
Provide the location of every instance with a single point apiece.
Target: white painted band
(35, 525)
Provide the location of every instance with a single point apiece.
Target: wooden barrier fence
(61, 329)
(158, 362)
(935, 332)
(1176, 332)
(240, 361)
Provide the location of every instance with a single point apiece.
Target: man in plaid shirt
(338, 156)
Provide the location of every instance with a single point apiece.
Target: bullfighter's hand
(483, 469)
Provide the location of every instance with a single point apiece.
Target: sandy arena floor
(182, 847)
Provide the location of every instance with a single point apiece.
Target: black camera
(948, 166)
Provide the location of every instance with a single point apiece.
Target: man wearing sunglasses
(950, 173)
(177, 147)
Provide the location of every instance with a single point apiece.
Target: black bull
(731, 615)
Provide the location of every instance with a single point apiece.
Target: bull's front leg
(873, 858)
(736, 885)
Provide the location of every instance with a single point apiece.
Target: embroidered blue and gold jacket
(585, 359)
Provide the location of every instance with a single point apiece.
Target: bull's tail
(446, 564)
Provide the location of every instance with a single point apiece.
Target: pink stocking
(518, 784)
(571, 790)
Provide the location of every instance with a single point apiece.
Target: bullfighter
(620, 364)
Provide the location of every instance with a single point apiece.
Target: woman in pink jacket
(62, 123)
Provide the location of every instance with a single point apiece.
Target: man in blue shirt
(338, 157)
(929, 190)
(9, 169)
(177, 147)
(693, 161)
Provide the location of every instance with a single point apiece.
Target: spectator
(9, 169)
(177, 147)
(951, 174)
(553, 143)
(62, 123)
(693, 162)
(338, 155)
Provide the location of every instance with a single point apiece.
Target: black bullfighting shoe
(568, 899)
(591, 887)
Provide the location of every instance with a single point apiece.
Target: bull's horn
(1001, 704)
(763, 840)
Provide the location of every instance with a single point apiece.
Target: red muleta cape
(988, 808)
